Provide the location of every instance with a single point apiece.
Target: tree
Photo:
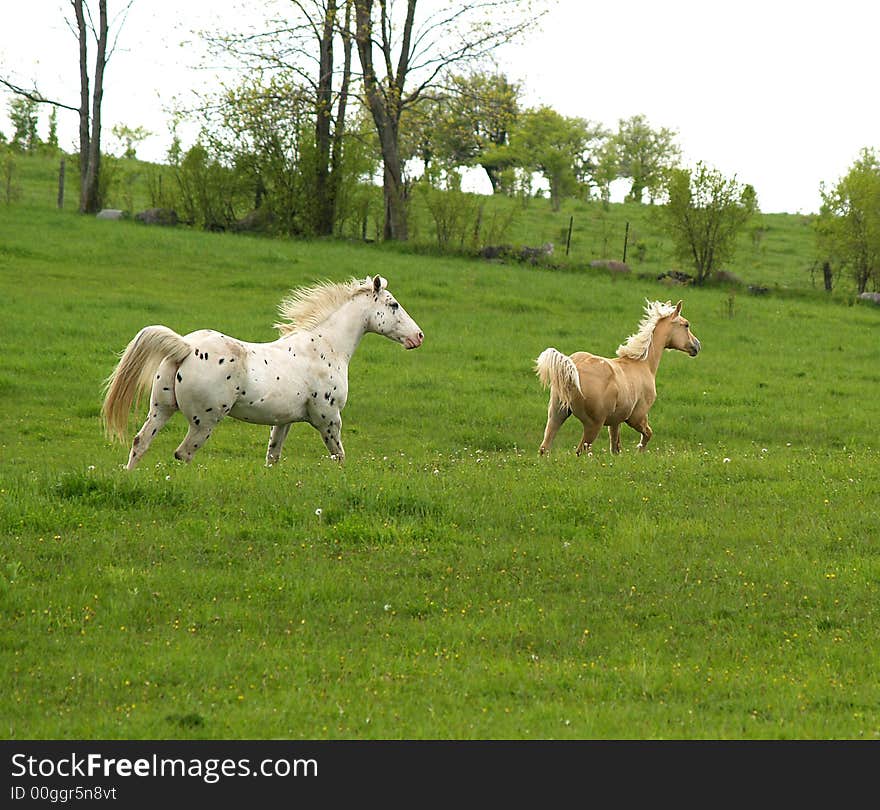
(558, 147)
(23, 115)
(642, 154)
(396, 75)
(477, 116)
(704, 213)
(130, 138)
(848, 227)
(86, 28)
(310, 50)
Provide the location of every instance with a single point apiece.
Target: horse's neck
(343, 329)
(658, 346)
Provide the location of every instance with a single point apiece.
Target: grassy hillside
(446, 582)
(776, 251)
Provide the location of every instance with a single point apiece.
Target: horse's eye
(394, 305)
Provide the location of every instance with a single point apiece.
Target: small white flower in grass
(167, 477)
(387, 608)
(726, 460)
(318, 512)
(91, 466)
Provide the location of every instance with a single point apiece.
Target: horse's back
(593, 370)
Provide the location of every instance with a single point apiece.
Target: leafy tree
(265, 130)
(23, 115)
(642, 154)
(207, 191)
(704, 213)
(848, 227)
(475, 121)
(402, 55)
(52, 140)
(310, 49)
(130, 138)
(558, 147)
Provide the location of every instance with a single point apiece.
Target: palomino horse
(301, 377)
(599, 391)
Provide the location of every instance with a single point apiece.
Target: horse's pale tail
(558, 372)
(135, 372)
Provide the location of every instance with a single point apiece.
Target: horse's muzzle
(414, 341)
(695, 348)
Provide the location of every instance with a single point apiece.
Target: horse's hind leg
(199, 432)
(556, 415)
(276, 441)
(614, 438)
(162, 407)
(591, 430)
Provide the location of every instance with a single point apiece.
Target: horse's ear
(677, 310)
(377, 283)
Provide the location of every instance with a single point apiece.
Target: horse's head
(680, 336)
(387, 317)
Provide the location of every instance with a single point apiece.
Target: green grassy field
(446, 582)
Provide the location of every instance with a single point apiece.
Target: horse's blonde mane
(306, 307)
(637, 345)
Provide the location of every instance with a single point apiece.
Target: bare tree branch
(35, 95)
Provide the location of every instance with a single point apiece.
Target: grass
(446, 582)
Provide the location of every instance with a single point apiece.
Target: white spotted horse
(300, 377)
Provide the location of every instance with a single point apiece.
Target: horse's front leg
(642, 426)
(646, 432)
(276, 441)
(329, 425)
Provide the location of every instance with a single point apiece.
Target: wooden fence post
(61, 186)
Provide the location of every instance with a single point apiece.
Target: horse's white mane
(637, 345)
(306, 307)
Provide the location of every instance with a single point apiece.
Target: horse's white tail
(135, 372)
(558, 372)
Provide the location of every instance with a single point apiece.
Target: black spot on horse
(165, 388)
(265, 361)
(196, 421)
(220, 361)
(179, 378)
(228, 376)
(208, 410)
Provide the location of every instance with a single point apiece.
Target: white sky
(781, 93)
